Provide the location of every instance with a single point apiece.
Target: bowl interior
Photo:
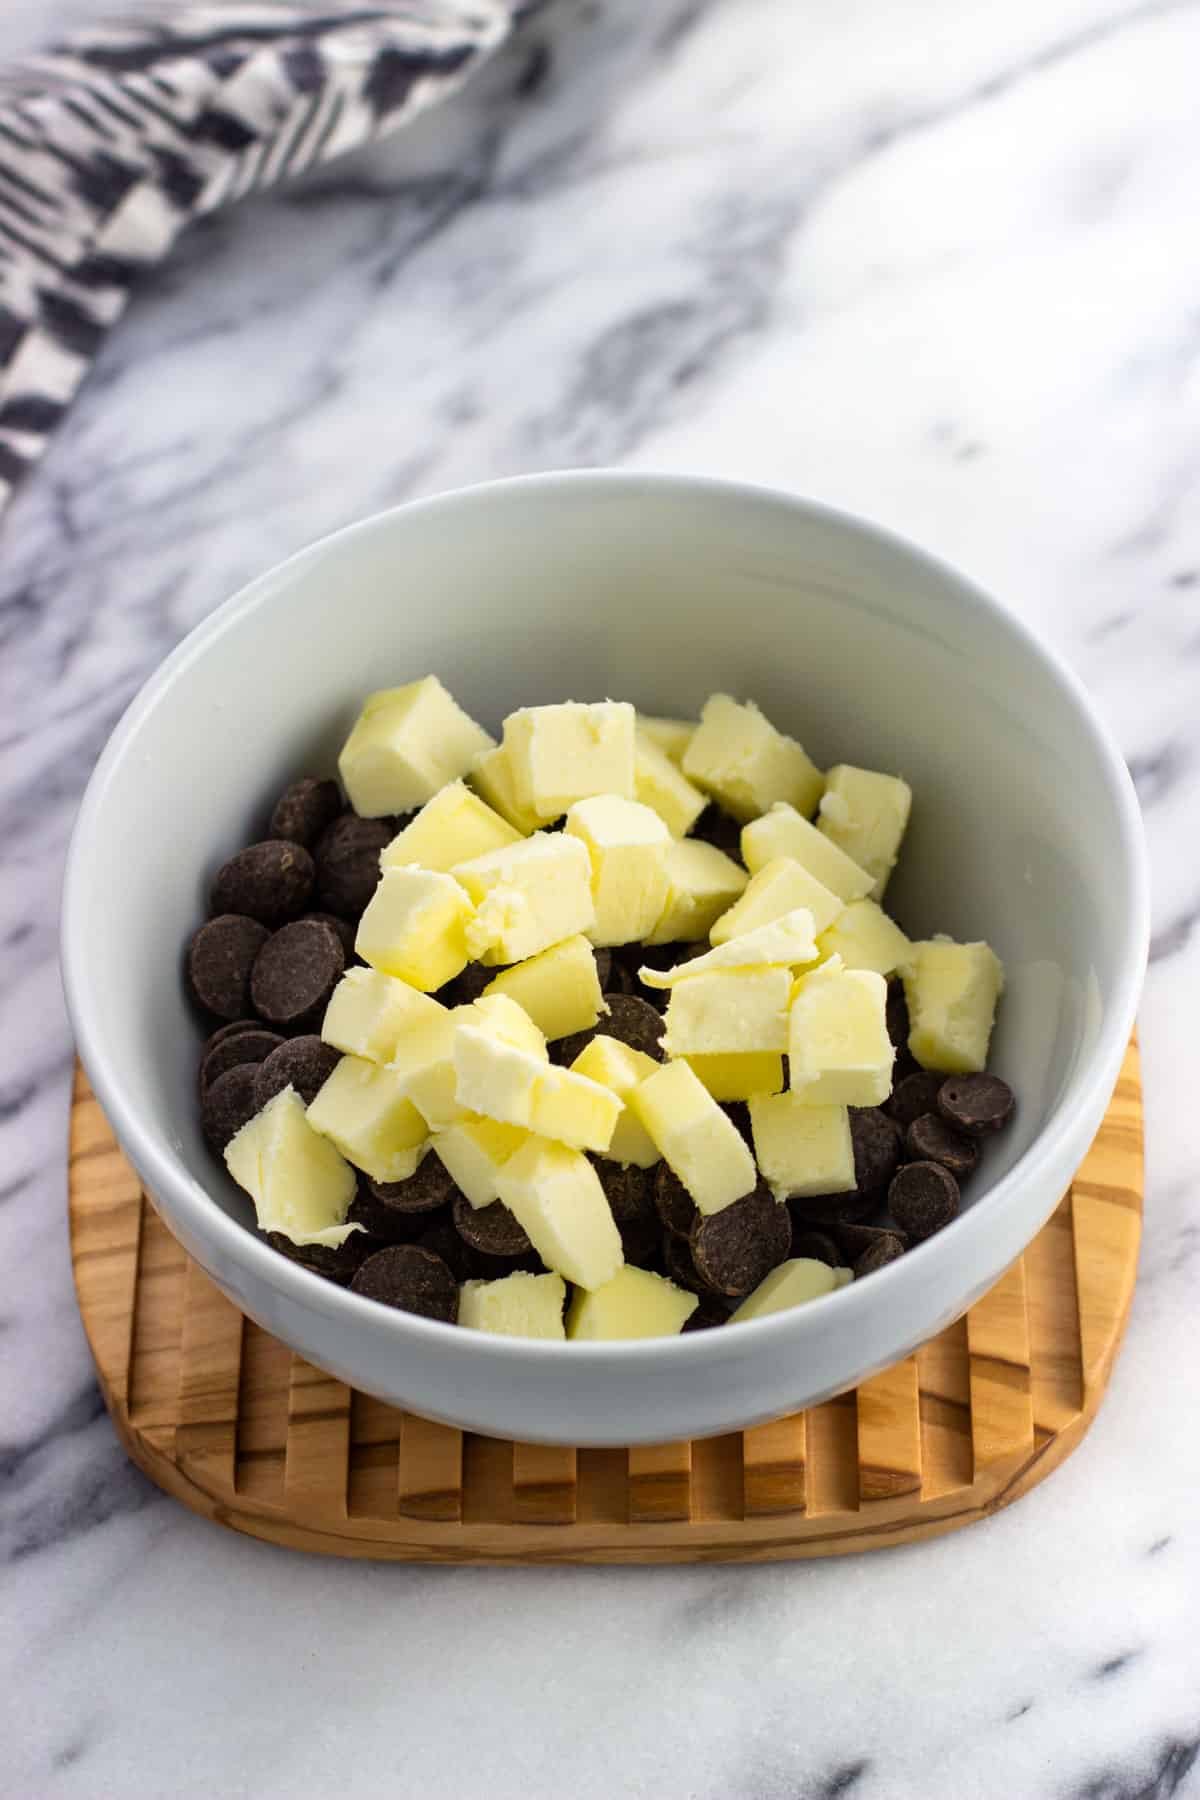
(655, 591)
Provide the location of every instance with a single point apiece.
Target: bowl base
(246, 1433)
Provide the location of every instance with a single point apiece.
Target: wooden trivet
(241, 1430)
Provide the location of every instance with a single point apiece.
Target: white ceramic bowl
(657, 590)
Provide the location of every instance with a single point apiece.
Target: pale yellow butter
(473, 1151)
(865, 938)
(781, 831)
(555, 1193)
(952, 990)
(369, 1011)
(702, 883)
(559, 988)
(778, 888)
(573, 1110)
(793, 1283)
(784, 943)
(634, 1304)
(839, 1051)
(518, 1305)
(415, 927)
(659, 782)
(671, 736)
(619, 1067)
(407, 743)
(298, 1182)
(423, 1065)
(454, 825)
(739, 758)
(739, 1077)
(802, 1149)
(362, 1109)
(492, 778)
(527, 896)
(563, 753)
(866, 814)
(729, 1011)
(492, 1077)
(508, 1020)
(702, 1146)
(627, 848)
(842, 1277)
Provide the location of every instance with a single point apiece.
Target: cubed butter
(508, 1020)
(634, 1304)
(555, 1193)
(839, 1052)
(454, 825)
(407, 743)
(621, 1068)
(559, 988)
(702, 1146)
(473, 1152)
(865, 814)
(778, 888)
(793, 1283)
(952, 990)
(299, 1183)
(415, 927)
(729, 1011)
(702, 883)
(423, 1065)
(802, 1149)
(740, 1077)
(782, 831)
(503, 1081)
(739, 758)
(527, 896)
(865, 938)
(659, 782)
(563, 753)
(842, 1277)
(573, 1110)
(519, 1305)
(369, 1012)
(362, 1110)
(627, 847)
(784, 943)
(670, 735)
(492, 778)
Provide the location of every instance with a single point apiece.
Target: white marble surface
(934, 262)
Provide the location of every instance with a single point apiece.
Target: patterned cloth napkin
(112, 143)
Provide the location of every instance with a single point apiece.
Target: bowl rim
(205, 1219)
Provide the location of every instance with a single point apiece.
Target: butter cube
(559, 988)
(473, 1152)
(507, 1019)
(672, 736)
(298, 1182)
(866, 814)
(407, 743)
(793, 1283)
(362, 1109)
(369, 1011)
(702, 883)
(739, 758)
(783, 832)
(492, 778)
(783, 943)
(802, 1149)
(842, 1278)
(492, 1077)
(729, 1010)
(560, 754)
(573, 1110)
(415, 927)
(839, 1051)
(739, 1077)
(519, 1305)
(528, 896)
(627, 845)
(424, 1069)
(659, 782)
(865, 938)
(952, 990)
(634, 1304)
(555, 1193)
(454, 825)
(779, 887)
(700, 1144)
(619, 1067)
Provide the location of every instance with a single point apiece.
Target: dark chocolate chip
(231, 1030)
(339, 1263)
(913, 1097)
(886, 1248)
(855, 1240)
(635, 957)
(242, 1047)
(270, 882)
(738, 1247)
(818, 1246)
(672, 1202)
(304, 1063)
(430, 1186)
(295, 972)
(467, 1263)
(412, 1279)
(634, 1022)
(931, 1139)
(830, 1209)
(738, 1114)
(468, 986)
(679, 1265)
(630, 1194)
(604, 962)
(976, 1104)
(922, 1199)
(621, 975)
(876, 1140)
(347, 859)
(227, 1104)
(898, 1025)
(304, 810)
(709, 1313)
(716, 827)
(219, 960)
(492, 1230)
(384, 1223)
(345, 931)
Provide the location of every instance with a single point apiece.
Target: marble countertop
(937, 263)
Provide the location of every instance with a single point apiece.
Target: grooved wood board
(237, 1427)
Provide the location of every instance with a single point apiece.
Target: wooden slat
(831, 1458)
(154, 1361)
(1107, 1217)
(773, 1467)
(210, 1362)
(944, 1384)
(889, 1434)
(543, 1484)
(1001, 1383)
(318, 1442)
(430, 1470)
(660, 1483)
(105, 1239)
